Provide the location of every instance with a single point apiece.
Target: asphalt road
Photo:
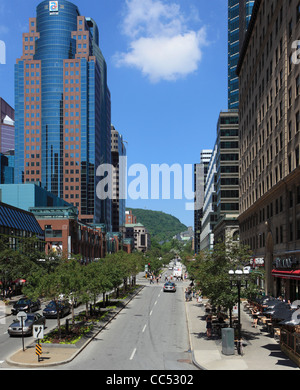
(149, 334)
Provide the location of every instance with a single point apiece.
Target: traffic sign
(38, 349)
(38, 332)
(22, 316)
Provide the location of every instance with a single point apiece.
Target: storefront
(287, 283)
(286, 274)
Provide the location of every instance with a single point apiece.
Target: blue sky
(167, 74)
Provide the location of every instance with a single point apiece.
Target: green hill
(161, 226)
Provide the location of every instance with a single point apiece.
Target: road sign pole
(38, 354)
(38, 350)
(22, 334)
(22, 316)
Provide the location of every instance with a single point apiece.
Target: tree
(210, 271)
(51, 286)
(98, 279)
(17, 263)
(71, 276)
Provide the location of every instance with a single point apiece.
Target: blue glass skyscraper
(239, 15)
(62, 104)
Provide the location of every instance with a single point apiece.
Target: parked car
(63, 308)
(15, 329)
(27, 305)
(169, 286)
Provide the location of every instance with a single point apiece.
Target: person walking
(208, 325)
(186, 295)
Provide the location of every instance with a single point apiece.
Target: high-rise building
(239, 15)
(209, 216)
(220, 213)
(62, 109)
(118, 202)
(227, 177)
(7, 127)
(269, 75)
(200, 173)
(7, 166)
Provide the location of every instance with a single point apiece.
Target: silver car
(169, 286)
(15, 329)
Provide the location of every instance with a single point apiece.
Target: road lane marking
(151, 312)
(144, 328)
(155, 303)
(133, 353)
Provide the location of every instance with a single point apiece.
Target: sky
(167, 75)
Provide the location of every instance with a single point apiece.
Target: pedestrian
(186, 295)
(208, 325)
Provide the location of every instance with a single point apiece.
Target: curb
(86, 343)
(196, 364)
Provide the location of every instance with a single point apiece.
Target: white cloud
(161, 45)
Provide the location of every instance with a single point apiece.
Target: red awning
(295, 274)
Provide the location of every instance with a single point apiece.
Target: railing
(291, 341)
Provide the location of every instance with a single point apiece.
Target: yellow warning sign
(38, 349)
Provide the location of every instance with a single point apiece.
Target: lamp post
(238, 277)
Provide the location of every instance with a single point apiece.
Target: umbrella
(292, 319)
(273, 306)
(278, 310)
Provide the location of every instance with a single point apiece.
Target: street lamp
(238, 277)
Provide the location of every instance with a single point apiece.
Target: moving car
(169, 286)
(27, 305)
(15, 329)
(63, 308)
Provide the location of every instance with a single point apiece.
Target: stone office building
(269, 79)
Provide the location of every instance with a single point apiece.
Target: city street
(149, 334)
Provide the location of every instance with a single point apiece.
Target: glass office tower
(62, 104)
(239, 15)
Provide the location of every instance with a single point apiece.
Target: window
(297, 121)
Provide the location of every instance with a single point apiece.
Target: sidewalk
(262, 352)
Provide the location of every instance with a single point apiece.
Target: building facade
(118, 202)
(227, 179)
(200, 173)
(17, 225)
(209, 206)
(129, 217)
(7, 167)
(269, 140)
(139, 235)
(28, 195)
(7, 127)
(62, 108)
(239, 15)
(65, 235)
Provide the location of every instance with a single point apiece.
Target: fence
(290, 342)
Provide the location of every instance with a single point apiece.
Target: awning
(295, 274)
